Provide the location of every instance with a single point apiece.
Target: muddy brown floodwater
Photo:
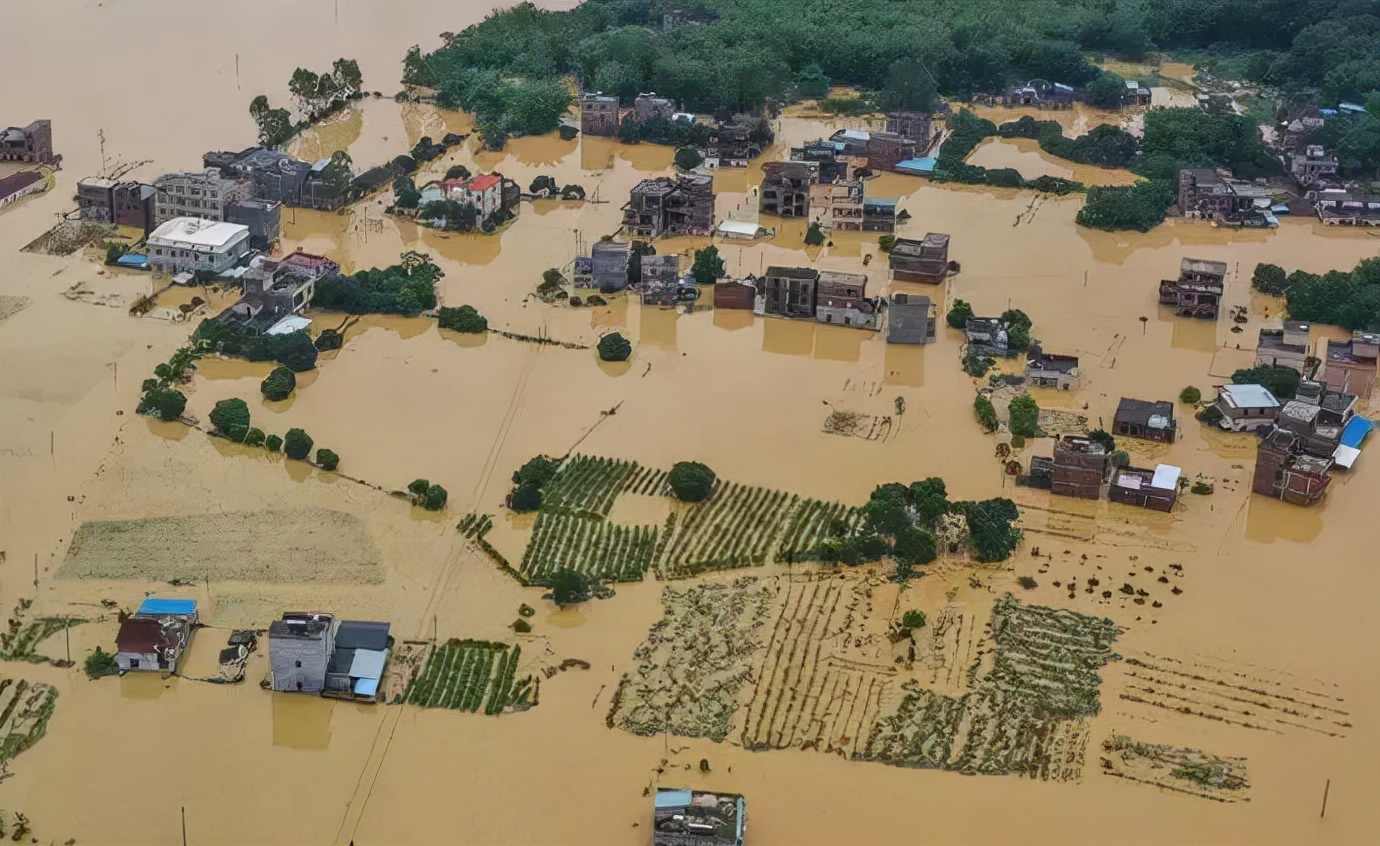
(1266, 591)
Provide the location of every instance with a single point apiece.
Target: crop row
(647, 481)
(812, 522)
(458, 675)
(606, 551)
(475, 525)
(501, 691)
(733, 528)
(587, 484)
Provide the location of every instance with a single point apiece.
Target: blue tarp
(367, 687)
(133, 260)
(174, 607)
(1356, 431)
(1280, 209)
(922, 165)
(672, 798)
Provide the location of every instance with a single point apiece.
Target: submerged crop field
(736, 526)
(465, 675)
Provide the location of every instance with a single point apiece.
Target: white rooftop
(1166, 476)
(1248, 396)
(195, 232)
(856, 134)
(740, 228)
(288, 325)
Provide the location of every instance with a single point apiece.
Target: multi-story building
(879, 214)
(1314, 167)
(651, 107)
(842, 298)
(825, 154)
(123, 203)
(299, 648)
(1079, 468)
(96, 199)
(610, 260)
(885, 149)
(1285, 470)
(680, 205)
(32, 143)
(274, 176)
(789, 291)
(785, 189)
(729, 146)
(1049, 370)
(599, 114)
(1205, 193)
(200, 194)
(924, 260)
(262, 217)
(1337, 207)
(198, 246)
(483, 191)
(1287, 347)
(911, 319)
(916, 126)
(1198, 290)
(1351, 365)
(838, 206)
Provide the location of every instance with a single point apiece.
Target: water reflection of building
(302, 722)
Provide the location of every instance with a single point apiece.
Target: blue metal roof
(366, 687)
(133, 260)
(920, 165)
(1356, 431)
(173, 607)
(672, 798)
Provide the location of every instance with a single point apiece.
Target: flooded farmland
(1243, 596)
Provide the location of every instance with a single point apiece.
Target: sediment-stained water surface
(1220, 651)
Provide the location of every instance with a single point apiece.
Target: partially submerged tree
(708, 267)
(958, 315)
(279, 384)
(463, 319)
(163, 403)
(614, 347)
(691, 481)
(327, 459)
(814, 235)
(1024, 414)
(570, 587)
(297, 445)
(688, 158)
(230, 418)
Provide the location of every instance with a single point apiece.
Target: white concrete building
(203, 194)
(194, 245)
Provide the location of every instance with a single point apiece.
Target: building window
(299, 664)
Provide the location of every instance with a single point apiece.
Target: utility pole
(68, 630)
(184, 825)
(1326, 789)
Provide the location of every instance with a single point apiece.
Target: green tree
(524, 498)
(295, 350)
(1106, 91)
(463, 319)
(101, 663)
(329, 339)
(279, 384)
(273, 443)
(959, 314)
(418, 488)
(163, 403)
(688, 158)
(1269, 279)
(912, 620)
(1103, 437)
(327, 459)
(931, 499)
(409, 198)
(254, 437)
(707, 268)
(691, 481)
(1279, 380)
(814, 235)
(230, 418)
(629, 132)
(986, 414)
(812, 81)
(908, 86)
(570, 587)
(915, 546)
(885, 243)
(1190, 395)
(537, 471)
(614, 347)
(1025, 416)
(297, 445)
(990, 530)
(435, 498)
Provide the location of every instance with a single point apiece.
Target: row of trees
(294, 350)
(1350, 300)
(408, 288)
(752, 53)
(320, 94)
(230, 419)
(1109, 146)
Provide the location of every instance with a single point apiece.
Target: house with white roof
(197, 246)
(1246, 407)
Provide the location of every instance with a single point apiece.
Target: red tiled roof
(139, 635)
(16, 182)
(483, 182)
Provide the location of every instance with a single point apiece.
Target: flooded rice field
(1239, 625)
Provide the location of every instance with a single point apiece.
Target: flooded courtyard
(1260, 600)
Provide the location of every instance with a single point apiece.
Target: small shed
(923, 166)
(1157, 489)
(740, 229)
(1151, 421)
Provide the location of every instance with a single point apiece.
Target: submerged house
(729, 146)
(1351, 365)
(879, 215)
(838, 206)
(1344, 208)
(842, 298)
(1079, 467)
(356, 666)
(731, 294)
(1047, 370)
(1198, 290)
(697, 818)
(681, 205)
(610, 265)
(910, 319)
(1287, 347)
(1151, 421)
(1040, 93)
(915, 126)
(1314, 167)
(32, 143)
(1157, 489)
(925, 260)
(785, 189)
(155, 636)
(885, 149)
(826, 155)
(789, 291)
(1246, 407)
(1284, 470)
(299, 649)
(598, 114)
(1206, 193)
(986, 336)
(197, 246)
